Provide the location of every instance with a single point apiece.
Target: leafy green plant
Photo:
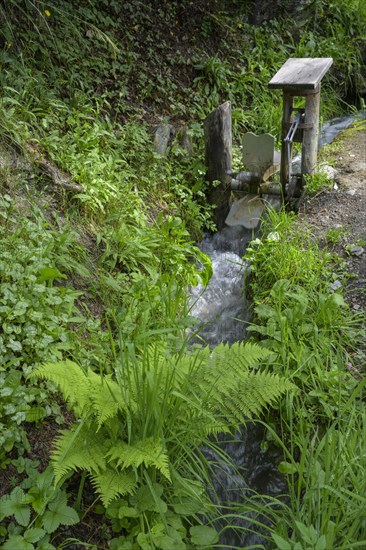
(163, 248)
(39, 511)
(34, 313)
(145, 426)
(335, 235)
(316, 183)
(326, 482)
(311, 331)
(281, 250)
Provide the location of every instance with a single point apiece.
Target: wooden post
(218, 154)
(287, 118)
(310, 135)
(301, 77)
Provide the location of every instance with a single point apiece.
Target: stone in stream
(246, 212)
(273, 201)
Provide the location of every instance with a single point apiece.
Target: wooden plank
(218, 145)
(258, 152)
(303, 73)
(310, 136)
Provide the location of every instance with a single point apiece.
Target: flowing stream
(223, 312)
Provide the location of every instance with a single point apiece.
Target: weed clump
(304, 320)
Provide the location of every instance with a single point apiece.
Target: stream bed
(224, 313)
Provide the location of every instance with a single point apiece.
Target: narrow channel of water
(223, 313)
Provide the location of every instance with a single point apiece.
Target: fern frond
(254, 392)
(224, 387)
(86, 392)
(149, 452)
(106, 397)
(70, 379)
(111, 483)
(204, 426)
(265, 387)
(236, 358)
(78, 448)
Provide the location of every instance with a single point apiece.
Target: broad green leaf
(144, 541)
(35, 414)
(167, 542)
(59, 513)
(282, 544)
(13, 379)
(34, 535)
(145, 501)
(17, 542)
(120, 543)
(167, 538)
(321, 544)
(13, 504)
(175, 521)
(49, 274)
(187, 507)
(203, 535)
(309, 534)
(207, 271)
(337, 299)
(127, 512)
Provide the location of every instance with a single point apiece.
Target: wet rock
(272, 200)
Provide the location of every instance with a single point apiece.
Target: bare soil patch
(338, 215)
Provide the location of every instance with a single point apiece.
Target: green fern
(159, 409)
(225, 394)
(71, 380)
(147, 452)
(79, 448)
(85, 392)
(107, 398)
(111, 483)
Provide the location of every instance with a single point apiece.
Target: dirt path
(338, 216)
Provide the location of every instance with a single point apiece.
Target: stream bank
(335, 216)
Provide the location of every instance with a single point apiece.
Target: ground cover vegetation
(319, 344)
(98, 250)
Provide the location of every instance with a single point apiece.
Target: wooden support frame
(301, 77)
